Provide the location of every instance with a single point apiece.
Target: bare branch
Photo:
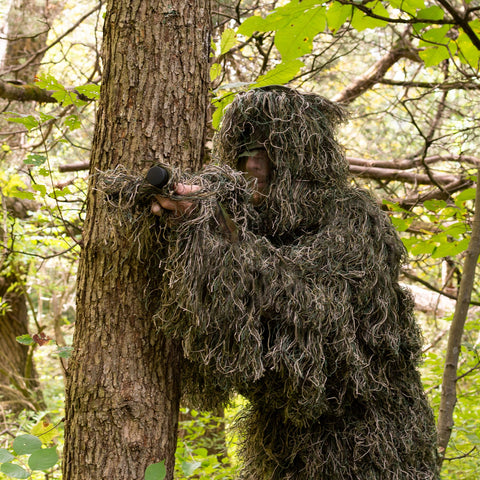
(74, 167)
(431, 85)
(403, 176)
(435, 194)
(393, 20)
(406, 164)
(374, 74)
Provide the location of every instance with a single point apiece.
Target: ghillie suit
(295, 304)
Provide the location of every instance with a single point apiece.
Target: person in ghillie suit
(282, 285)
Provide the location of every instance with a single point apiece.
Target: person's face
(259, 166)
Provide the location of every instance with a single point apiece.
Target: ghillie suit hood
(296, 305)
(298, 133)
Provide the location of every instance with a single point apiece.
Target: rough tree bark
(123, 379)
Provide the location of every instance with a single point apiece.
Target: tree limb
(375, 73)
(25, 93)
(448, 190)
(431, 85)
(403, 176)
(405, 21)
(407, 164)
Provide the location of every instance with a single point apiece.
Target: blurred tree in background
(409, 72)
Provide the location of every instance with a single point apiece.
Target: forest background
(408, 71)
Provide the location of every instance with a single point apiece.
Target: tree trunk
(18, 384)
(29, 22)
(26, 32)
(123, 386)
(448, 398)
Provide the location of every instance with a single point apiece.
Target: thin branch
(433, 288)
(368, 11)
(376, 72)
(431, 85)
(435, 194)
(469, 371)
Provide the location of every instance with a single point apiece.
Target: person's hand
(178, 207)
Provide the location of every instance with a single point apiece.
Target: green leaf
(394, 207)
(40, 188)
(434, 205)
(434, 55)
(279, 18)
(435, 35)
(26, 444)
(468, 194)
(48, 82)
(201, 452)
(65, 352)
(422, 248)
(228, 40)
(337, 15)
(28, 121)
(188, 468)
(296, 38)
(401, 224)
(90, 91)
(72, 122)
(250, 25)
(5, 455)
(156, 471)
(456, 229)
(450, 249)
(431, 13)
(15, 192)
(44, 117)
(215, 71)
(361, 21)
(281, 74)
(25, 339)
(35, 159)
(413, 3)
(43, 459)
(220, 106)
(14, 471)
(408, 6)
(468, 53)
(57, 193)
(45, 431)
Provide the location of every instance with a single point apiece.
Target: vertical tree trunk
(18, 384)
(123, 381)
(26, 32)
(448, 398)
(29, 22)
